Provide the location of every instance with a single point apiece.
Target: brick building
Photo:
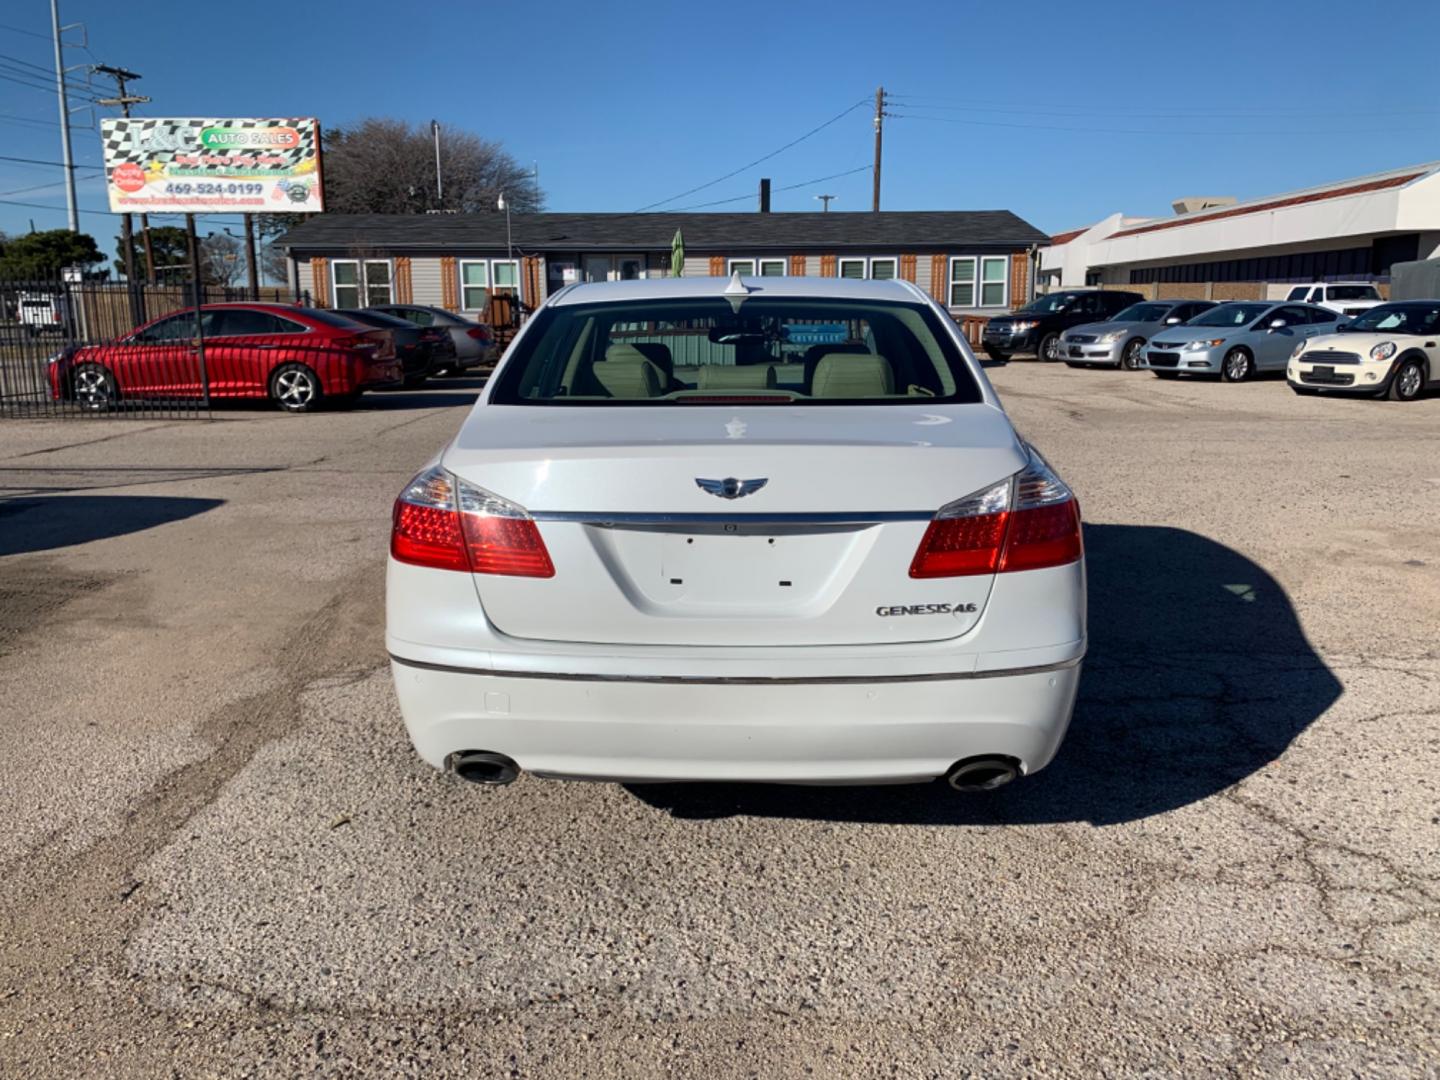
(976, 263)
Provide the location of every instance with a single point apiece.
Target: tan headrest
(852, 375)
(629, 377)
(730, 377)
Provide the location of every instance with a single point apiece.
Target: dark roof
(889, 230)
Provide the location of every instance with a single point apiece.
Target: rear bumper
(862, 730)
(380, 373)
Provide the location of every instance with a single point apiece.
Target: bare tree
(382, 166)
(220, 259)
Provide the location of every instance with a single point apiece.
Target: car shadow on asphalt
(29, 524)
(1198, 675)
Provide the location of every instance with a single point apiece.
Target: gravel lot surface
(222, 858)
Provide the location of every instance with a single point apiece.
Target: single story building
(1352, 230)
(975, 262)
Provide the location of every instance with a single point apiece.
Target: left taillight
(444, 523)
(1026, 522)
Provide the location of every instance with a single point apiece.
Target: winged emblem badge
(731, 488)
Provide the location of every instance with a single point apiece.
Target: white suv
(1346, 298)
(778, 529)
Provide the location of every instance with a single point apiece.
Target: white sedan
(758, 530)
(1389, 351)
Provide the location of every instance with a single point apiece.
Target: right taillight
(444, 523)
(1027, 522)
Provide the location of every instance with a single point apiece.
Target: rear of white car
(774, 531)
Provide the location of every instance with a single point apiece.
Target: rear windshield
(377, 318)
(1143, 313)
(331, 318)
(1351, 292)
(702, 352)
(1231, 315)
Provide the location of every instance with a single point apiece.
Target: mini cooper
(1389, 351)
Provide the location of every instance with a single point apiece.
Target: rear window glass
(701, 352)
(332, 318)
(1353, 292)
(1143, 313)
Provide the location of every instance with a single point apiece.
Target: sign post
(198, 292)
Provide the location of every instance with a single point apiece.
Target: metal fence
(46, 317)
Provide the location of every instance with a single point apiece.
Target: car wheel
(1130, 358)
(295, 388)
(92, 387)
(1408, 382)
(1167, 374)
(996, 354)
(1237, 366)
(1049, 350)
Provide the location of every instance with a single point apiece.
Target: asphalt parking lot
(222, 858)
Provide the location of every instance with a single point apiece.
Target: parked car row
(1327, 337)
(296, 356)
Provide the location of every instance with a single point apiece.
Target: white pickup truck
(1348, 298)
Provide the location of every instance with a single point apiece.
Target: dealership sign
(167, 166)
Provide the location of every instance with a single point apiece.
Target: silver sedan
(1119, 341)
(1236, 340)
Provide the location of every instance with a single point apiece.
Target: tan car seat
(852, 375)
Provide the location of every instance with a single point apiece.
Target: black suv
(1036, 328)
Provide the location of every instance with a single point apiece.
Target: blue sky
(1060, 112)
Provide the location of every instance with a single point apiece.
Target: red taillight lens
(506, 546)
(1028, 522)
(446, 524)
(956, 547)
(1043, 536)
(479, 333)
(428, 536)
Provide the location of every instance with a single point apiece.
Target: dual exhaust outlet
(984, 773)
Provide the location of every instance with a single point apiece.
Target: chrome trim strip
(740, 680)
(857, 517)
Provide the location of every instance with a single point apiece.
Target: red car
(296, 356)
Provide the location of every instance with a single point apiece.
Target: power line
(31, 33)
(1230, 112)
(794, 142)
(14, 119)
(787, 187)
(33, 161)
(1116, 131)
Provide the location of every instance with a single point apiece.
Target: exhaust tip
(984, 773)
(483, 767)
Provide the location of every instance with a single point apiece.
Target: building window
(962, 282)
(994, 270)
(878, 269)
(768, 267)
(360, 282)
(994, 281)
(479, 276)
(474, 280)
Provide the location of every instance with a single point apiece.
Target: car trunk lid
(810, 543)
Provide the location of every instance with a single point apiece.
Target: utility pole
(879, 135)
(127, 232)
(439, 185)
(74, 214)
(825, 201)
